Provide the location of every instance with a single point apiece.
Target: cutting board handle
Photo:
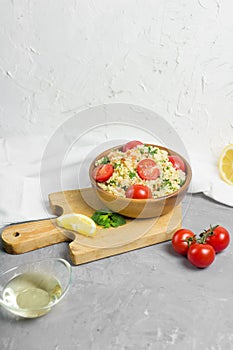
(24, 237)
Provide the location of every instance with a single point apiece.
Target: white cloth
(206, 179)
(24, 190)
(32, 167)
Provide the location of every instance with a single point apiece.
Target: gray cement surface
(151, 298)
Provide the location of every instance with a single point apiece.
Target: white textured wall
(172, 56)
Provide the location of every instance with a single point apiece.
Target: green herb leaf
(132, 174)
(112, 182)
(166, 182)
(105, 160)
(108, 218)
(116, 165)
(152, 150)
(182, 182)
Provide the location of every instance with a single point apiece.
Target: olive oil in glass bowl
(31, 290)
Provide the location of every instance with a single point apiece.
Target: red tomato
(130, 145)
(138, 192)
(147, 169)
(201, 255)
(219, 238)
(180, 240)
(177, 162)
(102, 172)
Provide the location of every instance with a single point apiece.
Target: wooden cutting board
(136, 233)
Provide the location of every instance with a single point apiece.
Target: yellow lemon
(226, 164)
(77, 222)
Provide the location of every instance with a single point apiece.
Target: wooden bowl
(141, 208)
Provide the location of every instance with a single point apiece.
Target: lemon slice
(77, 222)
(226, 164)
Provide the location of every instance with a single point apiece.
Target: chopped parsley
(117, 165)
(182, 182)
(132, 174)
(108, 218)
(112, 182)
(105, 160)
(152, 150)
(166, 182)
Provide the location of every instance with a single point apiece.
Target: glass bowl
(33, 289)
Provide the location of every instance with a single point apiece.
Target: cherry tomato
(102, 172)
(130, 145)
(177, 162)
(147, 169)
(201, 255)
(219, 238)
(138, 192)
(180, 240)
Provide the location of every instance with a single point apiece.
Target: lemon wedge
(77, 222)
(226, 164)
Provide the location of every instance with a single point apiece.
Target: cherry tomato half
(201, 255)
(138, 192)
(147, 169)
(180, 240)
(219, 239)
(102, 172)
(130, 145)
(177, 162)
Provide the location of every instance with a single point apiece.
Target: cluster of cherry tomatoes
(201, 250)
